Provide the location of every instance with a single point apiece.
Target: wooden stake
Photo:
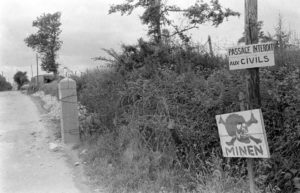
(158, 21)
(37, 70)
(244, 106)
(210, 47)
(31, 71)
(251, 33)
(251, 174)
(252, 77)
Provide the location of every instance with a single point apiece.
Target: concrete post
(69, 111)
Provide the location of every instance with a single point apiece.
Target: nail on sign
(242, 134)
(251, 56)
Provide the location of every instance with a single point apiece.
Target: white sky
(87, 27)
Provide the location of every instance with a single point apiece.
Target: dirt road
(26, 163)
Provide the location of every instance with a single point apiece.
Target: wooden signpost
(252, 78)
(242, 134)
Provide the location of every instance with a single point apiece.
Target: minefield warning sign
(242, 134)
(251, 56)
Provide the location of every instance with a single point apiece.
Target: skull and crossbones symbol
(237, 127)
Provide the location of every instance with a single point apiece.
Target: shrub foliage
(4, 84)
(21, 78)
(151, 121)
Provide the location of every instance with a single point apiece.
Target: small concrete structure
(42, 79)
(37, 80)
(69, 111)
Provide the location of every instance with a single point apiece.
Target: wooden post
(252, 77)
(251, 174)
(244, 106)
(251, 33)
(157, 20)
(37, 70)
(31, 71)
(210, 47)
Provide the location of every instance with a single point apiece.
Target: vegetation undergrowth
(150, 119)
(4, 84)
(152, 128)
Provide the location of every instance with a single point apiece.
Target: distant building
(42, 79)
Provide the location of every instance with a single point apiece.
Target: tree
(46, 40)
(20, 78)
(4, 85)
(281, 35)
(156, 15)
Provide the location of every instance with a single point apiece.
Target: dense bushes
(281, 99)
(21, 78)
(153, 126)
(4, 85)
(152, 57)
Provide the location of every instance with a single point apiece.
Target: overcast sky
(87, 28)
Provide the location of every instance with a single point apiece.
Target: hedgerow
(4, 84)
(152, 122)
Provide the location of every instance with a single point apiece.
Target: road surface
(26, 163)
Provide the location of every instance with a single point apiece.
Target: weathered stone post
(69, 111)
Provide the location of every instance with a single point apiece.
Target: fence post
(69, 111)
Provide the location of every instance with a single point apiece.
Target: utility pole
(210, 47)
(37, 70)
(31, 71)
(252, 77)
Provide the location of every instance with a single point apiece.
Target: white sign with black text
(251, 56)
